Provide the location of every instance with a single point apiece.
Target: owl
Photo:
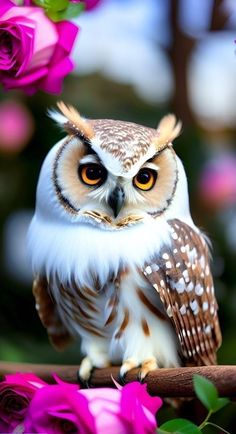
(116, 257)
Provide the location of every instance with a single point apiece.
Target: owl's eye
(92, 174)
(145, 179)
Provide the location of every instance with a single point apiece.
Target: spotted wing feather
(182, 277)
(47, 310)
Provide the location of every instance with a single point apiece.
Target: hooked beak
(116, 199)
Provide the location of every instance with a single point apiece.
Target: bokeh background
(135, 60)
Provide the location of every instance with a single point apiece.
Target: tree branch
(174, 382)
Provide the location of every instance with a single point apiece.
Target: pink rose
(57, 409)
(16, 126)
(64, 408)
(16, 393)
(217, 185)
(34, 51)
(127, 410)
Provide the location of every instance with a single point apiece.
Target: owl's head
(109, 173)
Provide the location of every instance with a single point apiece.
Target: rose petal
(38, 56)
(130, 408)
(22, 378)
(4, 428)
(67, 33)
(139, 407)
(16, 390)
(13, 407)
(89, 4)
(54, 402)
(60, 64)
(28, 83)
(4, 6)
(22, 40)
(140, 391)
(52, 82)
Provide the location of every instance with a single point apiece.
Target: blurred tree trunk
(180, 53)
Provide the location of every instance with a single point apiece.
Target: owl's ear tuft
(168, 129)
(71, 121)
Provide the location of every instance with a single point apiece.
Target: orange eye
(145, 179)
(92, 174)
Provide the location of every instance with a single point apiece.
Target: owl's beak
(116, 199)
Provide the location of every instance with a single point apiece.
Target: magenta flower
(16, 126)
(89, 4)
(127, 410)
(34, 51)
(16, 393)
(57, 409)
(217, 185)
(64, 408)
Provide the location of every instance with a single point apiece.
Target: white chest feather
(83, 252)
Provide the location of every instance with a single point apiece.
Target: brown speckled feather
(45, 305)
(126, 141)
(182, 277)
(168, 129)
(72, 307)
(75, 123)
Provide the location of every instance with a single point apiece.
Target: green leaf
(57, 5)
(221, 402)
(54, 16)
(180, 426)
(41, 3)
(72, 11)
(53, 6)
(205, 391)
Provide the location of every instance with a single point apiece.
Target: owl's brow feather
(90, 157)
(75, 124)
(69, 128)
(157, 153)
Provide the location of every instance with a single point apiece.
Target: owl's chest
(106, 277)
(96, 256)
(105, 311)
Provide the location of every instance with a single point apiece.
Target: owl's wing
(182, 277)
(47, 310)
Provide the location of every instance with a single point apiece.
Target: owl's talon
(147, 366)
(85, 384)
(85, 371)
(140, 378)
(127, 365)
(121, 379)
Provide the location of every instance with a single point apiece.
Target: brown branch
(174, 382)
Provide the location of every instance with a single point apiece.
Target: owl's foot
(85, 370)
(146, 366)
(126, 366)
(88, 364)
